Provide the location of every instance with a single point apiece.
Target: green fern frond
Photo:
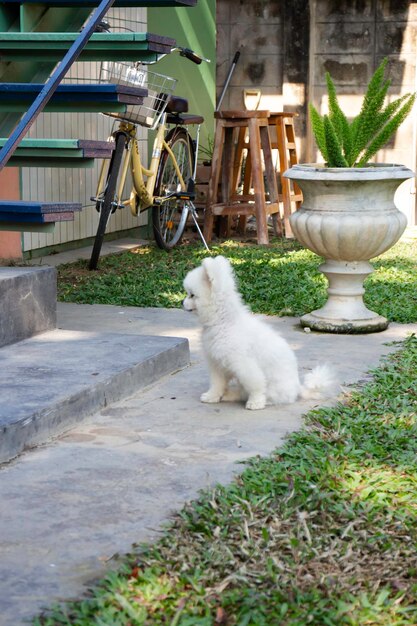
(387, 131)
(390, 109)
(335, 112)
(334, 148)
(347, 140)
(376, 84)
(318, 130)
(367, 122)
(338, 118)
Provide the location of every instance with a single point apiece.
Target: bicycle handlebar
(191, 55)
(184, 52)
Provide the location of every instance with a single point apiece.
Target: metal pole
(229, 76)
(52, 83)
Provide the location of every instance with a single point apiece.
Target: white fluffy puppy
(243, 349)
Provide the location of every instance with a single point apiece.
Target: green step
(75, 153)
(34, 17)
(118, 3)
(102, 46)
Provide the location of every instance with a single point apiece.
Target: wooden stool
(229, 144)
(284, 142)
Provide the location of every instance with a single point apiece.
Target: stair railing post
(52, 83)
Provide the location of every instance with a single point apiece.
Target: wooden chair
(283, 140)
(232, 127)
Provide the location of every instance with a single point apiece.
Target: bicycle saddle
(176, 108)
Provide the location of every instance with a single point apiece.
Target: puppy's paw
(210, 397)
(255, 403)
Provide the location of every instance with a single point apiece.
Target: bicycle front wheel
(169, 217)
(106, 204)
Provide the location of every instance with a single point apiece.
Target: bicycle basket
(158, 86)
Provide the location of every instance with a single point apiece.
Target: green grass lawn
(324, 530)
(281, 279)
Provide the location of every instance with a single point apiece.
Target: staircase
(39, 41)
(35, 37)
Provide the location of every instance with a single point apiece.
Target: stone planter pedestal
(348, 216)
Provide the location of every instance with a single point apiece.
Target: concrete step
(50, 382)
(27, 302)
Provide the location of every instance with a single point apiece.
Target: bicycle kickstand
(193, 212)
(192, 209)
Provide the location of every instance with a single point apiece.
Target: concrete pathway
(68, 506)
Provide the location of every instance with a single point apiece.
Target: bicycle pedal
(185, 195)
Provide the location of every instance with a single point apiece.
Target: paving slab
(115, 479)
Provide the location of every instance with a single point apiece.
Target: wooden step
(118, 3)
(35, 216)
(79, 153)
(104, 98)
(110, 46)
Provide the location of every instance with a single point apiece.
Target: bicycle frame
(142, 189)
(170, 161)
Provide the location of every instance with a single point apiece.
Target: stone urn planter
(348, 216)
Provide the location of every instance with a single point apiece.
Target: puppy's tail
(318, 383)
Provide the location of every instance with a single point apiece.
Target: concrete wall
(286, 48)
(273, 40)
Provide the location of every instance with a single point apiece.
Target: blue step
(35, 216)
(104, 98)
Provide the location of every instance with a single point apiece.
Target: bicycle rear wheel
(106, 203)
(170, 216)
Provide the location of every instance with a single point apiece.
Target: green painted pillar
(195, 28)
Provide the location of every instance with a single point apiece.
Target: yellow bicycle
(167, 186)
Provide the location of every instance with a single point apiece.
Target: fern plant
(353, 144)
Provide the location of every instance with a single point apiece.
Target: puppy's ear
(219, 272)
(209, 269)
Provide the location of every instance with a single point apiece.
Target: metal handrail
(52, 83)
